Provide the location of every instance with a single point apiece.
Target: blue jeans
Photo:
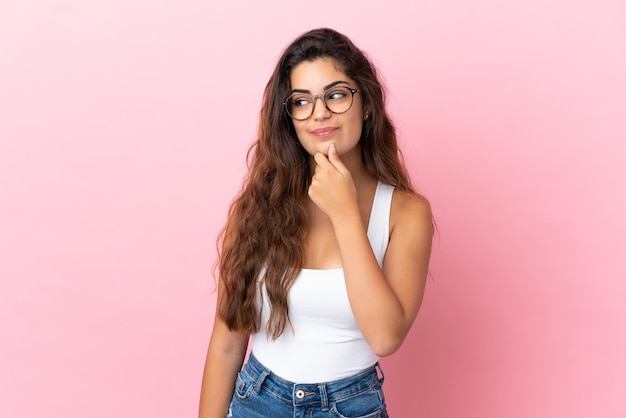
(261, 394)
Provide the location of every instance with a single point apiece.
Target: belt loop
(259, 381)
(381, 379)
(324, 396)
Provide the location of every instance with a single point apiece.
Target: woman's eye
(336, 95)
(300, 101)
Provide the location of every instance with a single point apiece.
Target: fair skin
(384, 301)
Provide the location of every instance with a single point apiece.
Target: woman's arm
(225, 355)
(384, 301)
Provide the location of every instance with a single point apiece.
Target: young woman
(324, 256)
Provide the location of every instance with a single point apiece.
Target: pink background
(123, 132)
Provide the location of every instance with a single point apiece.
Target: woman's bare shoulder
(410, 209)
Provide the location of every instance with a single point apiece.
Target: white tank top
(324, 342)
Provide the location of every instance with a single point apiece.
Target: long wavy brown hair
(267, 221)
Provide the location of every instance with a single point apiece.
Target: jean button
(299, 394)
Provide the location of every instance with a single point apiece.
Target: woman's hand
(332, 188)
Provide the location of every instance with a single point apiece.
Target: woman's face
(324, 127)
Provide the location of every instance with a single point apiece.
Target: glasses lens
(338, 99)
(299, 106)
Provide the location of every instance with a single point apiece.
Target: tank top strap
(378, 228)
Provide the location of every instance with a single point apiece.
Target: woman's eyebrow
(333, 84)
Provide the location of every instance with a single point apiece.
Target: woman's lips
(324, 132)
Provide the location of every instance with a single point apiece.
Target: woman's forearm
(223, 362)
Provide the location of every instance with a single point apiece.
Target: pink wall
(123, 132)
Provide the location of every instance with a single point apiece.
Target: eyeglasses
(337, 99)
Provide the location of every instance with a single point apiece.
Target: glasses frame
(314, 101)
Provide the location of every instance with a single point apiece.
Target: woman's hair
(267, 221)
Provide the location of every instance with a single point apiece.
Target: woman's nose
(320, 111)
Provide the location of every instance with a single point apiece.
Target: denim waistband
(309, 393)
